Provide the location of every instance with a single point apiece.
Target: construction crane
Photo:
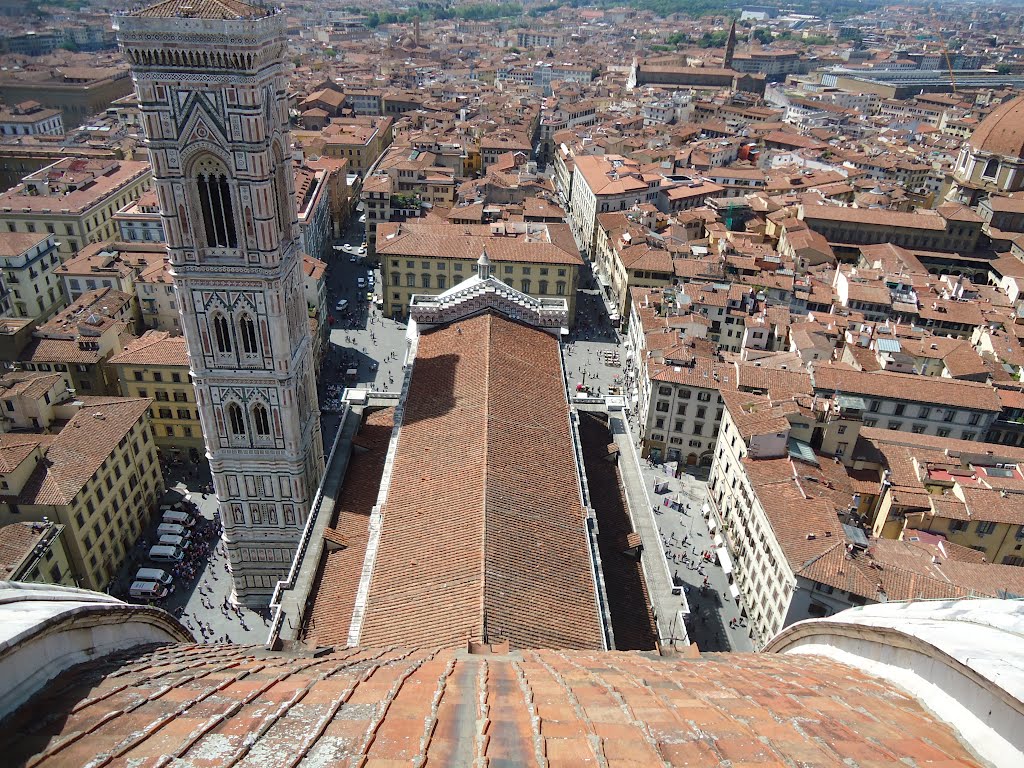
(945, 52)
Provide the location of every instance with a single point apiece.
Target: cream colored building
(29, 262)
(35, 552)
(605, 183)
(74, 199)
(77, 341)
(774, 508)
(98, 476)
(108, 265)
(538, 259)
(360, 140)
(156, 366)
(158, 300)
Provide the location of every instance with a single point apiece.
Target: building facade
(29, 262)
(75, 199)
(213, 93)
(156, 366)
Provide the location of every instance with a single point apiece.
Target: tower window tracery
(222, 331)
(262, 420)
(215, 204)
(236, 421)
(250, 345)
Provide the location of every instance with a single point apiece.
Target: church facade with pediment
(212, 93)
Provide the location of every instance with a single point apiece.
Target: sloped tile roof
(154, 348)
(75, 454)
(204, 9)
(483, 522)
(240, 705)
(334, 593)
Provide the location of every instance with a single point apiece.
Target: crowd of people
(204, 534)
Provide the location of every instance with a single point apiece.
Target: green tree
(713, 39)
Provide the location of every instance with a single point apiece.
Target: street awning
(724, 560)
(705, 510)
(712, 524)
(735, 592)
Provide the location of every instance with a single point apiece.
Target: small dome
(1002, 132)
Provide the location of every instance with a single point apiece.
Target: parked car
(178, 518)
(171, 529)
(174, 541)
(158, 575)
(147, 590)
(162, 554)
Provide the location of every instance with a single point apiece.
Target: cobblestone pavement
(200, 600)
(685, 537)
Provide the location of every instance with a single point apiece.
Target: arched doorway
(691, 459)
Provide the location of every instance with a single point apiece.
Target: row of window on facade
(924, 412)
(458, 266)
(441, 282)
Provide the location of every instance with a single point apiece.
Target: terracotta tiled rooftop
(900, 386)
(1002, 132)
(205, 706)
(204, 9)
(77, 452)
(483, 522)
(154, 348)
(334, 593)
(16, 542)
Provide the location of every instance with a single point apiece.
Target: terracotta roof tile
(213, 705)
(154, 348)
(334, 592)
(485, 525)
(900, 386)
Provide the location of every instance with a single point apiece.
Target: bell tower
(211, 85)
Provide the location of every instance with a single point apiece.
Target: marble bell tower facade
(211, 84)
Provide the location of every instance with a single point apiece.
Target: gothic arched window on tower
(262, 420)
(249, 343)
(222, 331)
(236, 421)
(215, 205)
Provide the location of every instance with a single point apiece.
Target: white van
(171, 529)
(166, 554)
(174, 541)
(179, 518)
(147, 590)
(158, 575)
